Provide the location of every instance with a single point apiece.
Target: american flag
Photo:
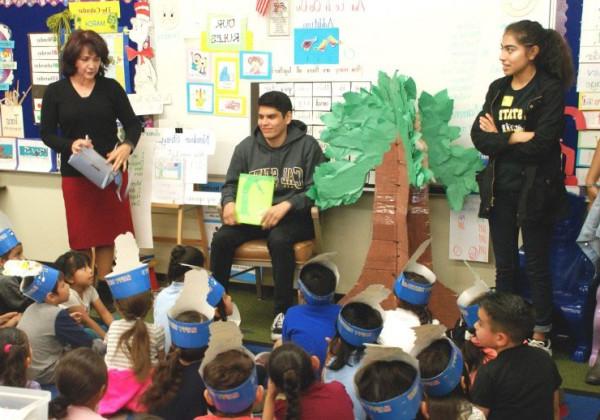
(262, 6)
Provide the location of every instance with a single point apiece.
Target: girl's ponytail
(291, 389)
(57, 408)
(14, 350)
(136, 343)
(165, 382)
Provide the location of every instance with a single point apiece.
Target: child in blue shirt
(310, 323)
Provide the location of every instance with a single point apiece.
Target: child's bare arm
(104, 314)
(556, 405)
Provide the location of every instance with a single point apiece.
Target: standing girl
(522, 187)
(81, 381)
(134, 348)
(81, 111)
(82, 294)
(15, 358)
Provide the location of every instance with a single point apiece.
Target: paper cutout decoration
(468, 310)
(398, 329)
(254, 197)
(425, 335)
(145, 74)
(7, 63)
(316, 46)
(129, 277)
(44, 278)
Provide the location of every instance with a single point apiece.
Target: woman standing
(81, 111)
(522, 187)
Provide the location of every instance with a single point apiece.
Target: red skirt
(95, 217)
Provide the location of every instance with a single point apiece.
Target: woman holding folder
(81, 111)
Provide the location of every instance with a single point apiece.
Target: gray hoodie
(292, 164)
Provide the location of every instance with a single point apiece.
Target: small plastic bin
(23, 403)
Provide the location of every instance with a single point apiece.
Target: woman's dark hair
(227, 371)
(135, 342)
(186, 255)
(167, 378)
(384, 380)
(292, 372)
(69, 262)
(74, 47)
(555, 55)
(80, 376)
(14, 350)
(358, 314)
(278, 100)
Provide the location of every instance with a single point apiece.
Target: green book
(254, 197)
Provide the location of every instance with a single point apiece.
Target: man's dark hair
(318, 279)
(278, 100)
(509, 314)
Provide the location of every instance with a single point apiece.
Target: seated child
(359, 322)
(81, 379)
(523, 381)
(177, 388)
(49, 328)
(311, 322)
(293, 373)
(441, 366)
(11, 298)
(413, 289)
(388, 384)
(79, 274)
(15, 358)
(229, 373)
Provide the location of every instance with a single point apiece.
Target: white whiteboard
(440, 43)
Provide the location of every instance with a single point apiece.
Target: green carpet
(257, 315)
(573, 374)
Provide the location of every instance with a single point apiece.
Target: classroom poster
(11, 121)
(255, 65)
(227, 74)
(116, 54)
(200, 98)
(8, 153)
(140, 187)
(45, 68)
(316, 46)
(226, 33)
(469, 235)
(98, 16)
(279, 18)
(7, 63)
(34, 156)
(198, 65)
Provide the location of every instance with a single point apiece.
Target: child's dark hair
(186, 255)
(291, 371)
(318, 279)
(508, 314)
(432, 361)
(384, 380)
(4, 257)
(358, 314)
(80, 376)
(421, 311)
(14, 350)
(227, 371)
(69, 262)
(135, 342)
(167, 378)
(554, 56)
(278, 100)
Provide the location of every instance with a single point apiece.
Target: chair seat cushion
(257, 250)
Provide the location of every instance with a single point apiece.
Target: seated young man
(279, 147)
(523, 381)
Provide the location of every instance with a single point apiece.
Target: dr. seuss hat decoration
(225, 336)
(8, 240)
(403, 406)
(444, 382)
(191, 335)
(142, 9)
(465, 300)
(129, 277)
(44, 278)
(357, 336)
(415, 282)
(325, 260)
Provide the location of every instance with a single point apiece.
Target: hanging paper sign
(100, 23)
(226, 33)
(95, 8)
(12, 120)
(7, 64)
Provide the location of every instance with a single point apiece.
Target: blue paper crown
(189, 335)
(235, 400)
(42, 284)
(354, 335)
(470, 314)
(443, 383)
(404, 406)
(411, 291)
(8, 240)
(216, 292)
(313, 299)
(129, 283)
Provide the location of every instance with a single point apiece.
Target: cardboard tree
(376, 129)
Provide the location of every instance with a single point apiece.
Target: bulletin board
(441, 44)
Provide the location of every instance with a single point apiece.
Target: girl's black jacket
(542, 197)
